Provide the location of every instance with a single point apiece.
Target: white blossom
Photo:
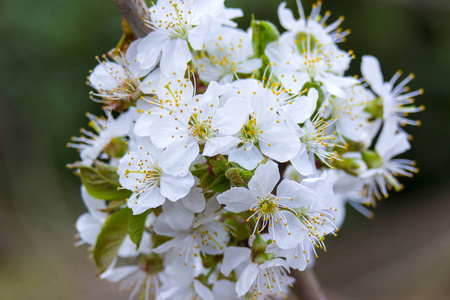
(397, 101)
(227, 51)
(178, 24)
(140, 172)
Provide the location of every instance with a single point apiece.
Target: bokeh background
(46, 50)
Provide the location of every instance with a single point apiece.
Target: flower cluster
(225, 157)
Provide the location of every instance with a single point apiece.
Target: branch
(306, 286)
(134, 11)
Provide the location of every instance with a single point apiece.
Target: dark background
(46, 51)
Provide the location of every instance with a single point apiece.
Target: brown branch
(134, 11)
(307, 286)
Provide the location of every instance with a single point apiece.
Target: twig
(307, 286)
(134, 11)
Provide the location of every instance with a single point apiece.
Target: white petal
(302, 108)
(127, 249)
(224, 290)
(249, 66)
(167, 131)
(233, 257)
(237, 199)
(303, 162)
(390, 143)
(220, 145)
(151, 198)
(246, 279)
(203, 291)
(284, 145)
(370, 68)
(88, 228)
(195, 200)
(177, 158)
(176, 187)
(149, 49)
(117, 274)
(247, 156)
(214, 241)
(105, 76)
(286, 16)
(94, 205)
(175, 57)
(265, 178)
(287, 233)
(301, 195)
(199, 34)
(162, 227)
(132, 63)
(177, 216)
(331, 86)
(230, 118)
(152, 82)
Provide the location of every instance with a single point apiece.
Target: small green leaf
(101, 182)
(111, 238)
(114, 204)
(239, 176)
(219, 165)
(220, 185)
(137, 227)
(199, 170)
(207, 180)
(107, 171)
(263, 33)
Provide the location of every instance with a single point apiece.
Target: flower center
(151, 176)
(268, 205)
(202, 130)
(250, 131)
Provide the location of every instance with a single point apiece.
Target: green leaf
(114, 205)
(107, 171)
(102, 182)
(219, 165)
(207, 180)
(220, 185)
(242, 230)
(239, 176)
(199, 170)
(111, 238)
(263, 33)
(137, 227)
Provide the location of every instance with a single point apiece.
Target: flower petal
(233, 257)
(175, 57)
(176, 187)
(265, 178)
(237, 199)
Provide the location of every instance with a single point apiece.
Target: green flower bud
(239, 176)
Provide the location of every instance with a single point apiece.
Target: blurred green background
(46, 51)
